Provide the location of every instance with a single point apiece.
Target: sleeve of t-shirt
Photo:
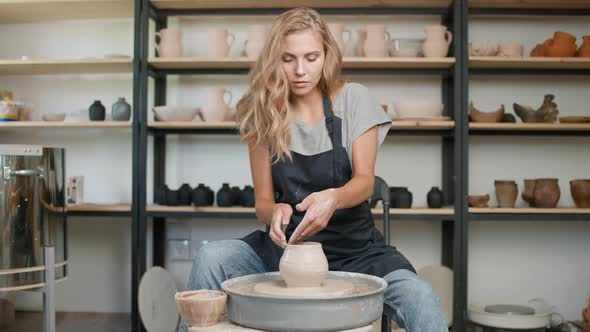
(365, 113)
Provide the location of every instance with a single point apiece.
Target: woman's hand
(281, 216)
(319, 206)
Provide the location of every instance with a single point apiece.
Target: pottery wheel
(330, 287)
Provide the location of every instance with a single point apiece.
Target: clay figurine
(547, 113)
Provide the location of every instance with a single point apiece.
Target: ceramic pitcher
(438, 40)
(338, 31)
(376, 44)
(170, 45)
(257, 35)
(217, 42)
(217, 109)
(361, 36)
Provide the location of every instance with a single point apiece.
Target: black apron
(350, 241)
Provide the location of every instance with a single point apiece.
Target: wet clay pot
(202, 307)
(479, 201)
(580, 190)
(304, 265)
(506, 192)
(528, 192)
(546, 193)
(562, 44)
(584, 50)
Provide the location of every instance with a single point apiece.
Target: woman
(313, 143)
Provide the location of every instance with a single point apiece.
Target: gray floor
(72, 322)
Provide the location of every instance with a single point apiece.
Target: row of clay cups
(492, 49)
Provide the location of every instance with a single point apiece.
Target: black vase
(210, 196)
(184, 194)
(247, 197)
(172, 198)
(235, 195)
(96, 111)
(200, 195)
(393, 196)
(224, 196)
(434, 198)
(161, 194)
(404, 199)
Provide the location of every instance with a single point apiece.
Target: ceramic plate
(157, 306)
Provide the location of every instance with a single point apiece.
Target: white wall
(508, 261)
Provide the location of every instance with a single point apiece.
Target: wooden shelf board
(19, 11)
(56, 124)
(66, 66)
(416, 211)
(348, 62)
(494, 62)
(205, 4)
(530, 210)
(529, 4)
(529, 126)
(442, 125)
(90, 207)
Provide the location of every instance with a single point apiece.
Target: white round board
(157, 307)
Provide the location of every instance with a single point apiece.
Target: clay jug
(404, 199)
(224, 196)
(218, 45)
(434, 198)
(562, 44)
(170, 45)
(546, 193)
(96, 111)
(506, 192)
(377, 41)
(257, 35)
(338, 31)
(304, 265)
(584, 50)
(199, 196)
(438, 40)
(361, 36)
(217, 109)
(580, 190)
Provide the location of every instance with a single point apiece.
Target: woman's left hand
(319, 206)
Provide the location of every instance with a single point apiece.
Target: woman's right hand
(281, 216)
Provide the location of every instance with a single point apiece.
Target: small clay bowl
(54, 117)
(202, 307)
(479, 201)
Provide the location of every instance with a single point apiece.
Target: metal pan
(271, 313)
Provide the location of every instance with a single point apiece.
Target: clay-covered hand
(281, 216)
(319, 207)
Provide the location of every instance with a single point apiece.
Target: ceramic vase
(170, 45)
(121, 110)
(546, 193)
(506, 192)
(438, 40)
(304, 265)
(96, 111)
(218, 44)
(580, 190)
(377, 41)
(434, 198)
(201, 307)
(217, 108)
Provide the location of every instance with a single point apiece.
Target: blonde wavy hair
(262, 111)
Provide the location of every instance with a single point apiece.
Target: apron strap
(335, 134)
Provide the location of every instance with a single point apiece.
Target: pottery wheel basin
(348, 300)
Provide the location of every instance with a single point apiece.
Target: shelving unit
(20, 11)
(66, 66)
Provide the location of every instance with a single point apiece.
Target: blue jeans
(416, 305)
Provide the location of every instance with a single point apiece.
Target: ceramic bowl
(175, 113)
(406, 47)
(202, 307)
(54, 117)
(417, 109)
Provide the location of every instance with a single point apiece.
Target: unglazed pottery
(377, 41)
(304, 265)
(546, 193)
(479, 201)
(406, 47)
(338, 30)
(580, 190)
(438, 40)
(547, 113)
(574, 119)
(257, 35)
(506, 192)
(562, 44)
(416, 108)
(529, 191)
(217, 109)
(201, 307)
(483, 49)
(329, 288)
(476, 115)
(511, 50)
(218, 45)
(584, 50)
(121, 110)
(170, 45)
(176, 113)
(54, 117)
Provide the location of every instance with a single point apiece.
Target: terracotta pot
(304, 265)
(546, 193)
(506, 192)
(584, 50)
(201, 307)
(528, 192)
(562, 44)
(480, 201)
(538, 50)
(580, 190)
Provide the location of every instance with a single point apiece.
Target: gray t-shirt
(359, 112)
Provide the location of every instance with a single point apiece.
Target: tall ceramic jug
(170, 45)
(376, 44)
(218, 45)
(217, 109)
(438, 40)
(257, 35)
(338, 31)
(361, 36)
